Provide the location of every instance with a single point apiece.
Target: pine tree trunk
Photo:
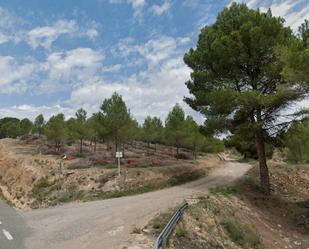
(177, 155)
(95, 144)
(264, 174)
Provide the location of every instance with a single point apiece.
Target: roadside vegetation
(61, 190)
(248, 69)
(240, 216)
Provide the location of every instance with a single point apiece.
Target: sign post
(118, 156)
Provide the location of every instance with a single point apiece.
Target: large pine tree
(237, 75)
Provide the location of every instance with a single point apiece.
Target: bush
(184, 177)
(224, 190)
(70, 194)
(181, 232)
(40, 187)
(242, 235)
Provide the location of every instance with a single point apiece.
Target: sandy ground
(108, 224)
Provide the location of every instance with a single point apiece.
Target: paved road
(107, 224)
(12, 228)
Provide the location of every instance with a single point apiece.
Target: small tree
(9, 127)
(39, 124)
(80, 128)
(25, 126)
(175, 127)
(115, 117)
(95, 129)
(132, 132)
(152, 130)
(56, 130)
(193, 137)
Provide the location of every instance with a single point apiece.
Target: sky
(60, 55)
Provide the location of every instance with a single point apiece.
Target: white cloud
(7, 20)
(92, 34)
(12, 29)
(60, 71)
(161, 9)
(152, 91)
(154, 51)
(147, 93)
(31, 111)
(7, 25)
(15, 75)
(4, 38)
(45, 36)
(137, 6)
(70, 68)
(157, 50)
(283, 8)
(111, 69)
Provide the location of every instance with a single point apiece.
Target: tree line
(115, 124)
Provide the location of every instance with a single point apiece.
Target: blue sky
(59, 55)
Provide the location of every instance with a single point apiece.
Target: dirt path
(108, 224)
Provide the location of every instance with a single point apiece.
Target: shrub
(242, 235)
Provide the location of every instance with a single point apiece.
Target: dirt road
(108, 224)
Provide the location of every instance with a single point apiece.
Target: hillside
(30, 176)
(240, 216)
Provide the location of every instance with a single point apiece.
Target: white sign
(119, 154)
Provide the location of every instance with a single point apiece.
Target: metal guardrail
(161, 241)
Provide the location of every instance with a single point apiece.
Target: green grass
(184, 177)
(127, 192)
(41, 188)
(71, 194)
(226, 191)
(161, 219)
(181, 231)
(242, 235)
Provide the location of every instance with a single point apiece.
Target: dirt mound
(18, 173)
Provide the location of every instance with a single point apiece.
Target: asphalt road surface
(105, 224)
(13, 229)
